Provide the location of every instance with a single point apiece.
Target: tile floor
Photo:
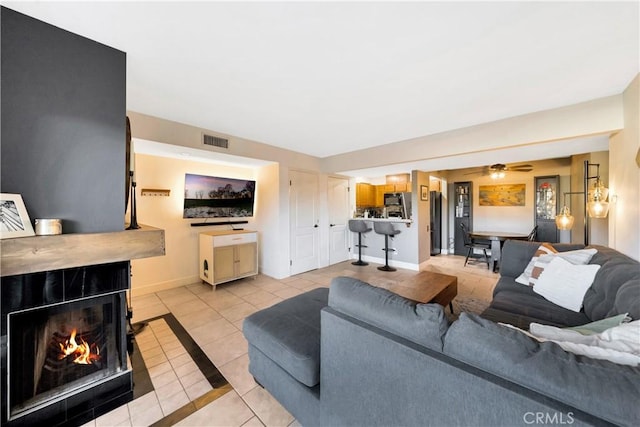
(213, 318)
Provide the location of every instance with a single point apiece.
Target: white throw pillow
(619, 344)
(565, 284)
(577, 257)
(543, 249)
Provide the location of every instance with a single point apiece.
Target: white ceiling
(323, 78)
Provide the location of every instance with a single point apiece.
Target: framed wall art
(502, 195)
(424, 192)
(14, 220)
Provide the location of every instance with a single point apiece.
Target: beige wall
(422, 212)
(180, 264)
(597, 228)
(170, 132)
(273, 223)
(268, 220)
(518, 219)
(624, 178)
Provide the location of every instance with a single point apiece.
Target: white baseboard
(392, 263)
(163, 286)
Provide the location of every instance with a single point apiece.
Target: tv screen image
(217, 197)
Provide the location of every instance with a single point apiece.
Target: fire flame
(84, 353)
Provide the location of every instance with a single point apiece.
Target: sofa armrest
(515, 256)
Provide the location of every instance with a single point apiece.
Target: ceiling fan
(498, 170)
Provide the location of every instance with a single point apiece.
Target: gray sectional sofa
(615, 289)
(360, 355)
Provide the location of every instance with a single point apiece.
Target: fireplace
(65, 334)
(66, 295)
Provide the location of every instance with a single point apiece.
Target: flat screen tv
(217, 197)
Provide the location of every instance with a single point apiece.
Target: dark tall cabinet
(546, 207)
(463, 210)
(435, 201)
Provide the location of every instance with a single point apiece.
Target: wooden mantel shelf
(44, 253)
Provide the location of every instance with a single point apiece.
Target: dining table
(497, 239)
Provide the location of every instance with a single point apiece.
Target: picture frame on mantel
(14, 219)
(424, 193)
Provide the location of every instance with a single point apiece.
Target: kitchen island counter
(405, 244)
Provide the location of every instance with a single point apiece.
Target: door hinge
(290, 263)
(290, 183)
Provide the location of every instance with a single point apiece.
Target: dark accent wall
(63, 142)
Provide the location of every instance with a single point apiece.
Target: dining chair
(470, 244)
(533, 235)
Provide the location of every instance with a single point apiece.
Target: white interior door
(338, 202)
(303, 214)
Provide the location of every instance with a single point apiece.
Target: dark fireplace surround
(63, 332)
(40, 312)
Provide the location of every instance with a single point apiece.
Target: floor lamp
(595, 202)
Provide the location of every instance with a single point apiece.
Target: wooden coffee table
(427, 287)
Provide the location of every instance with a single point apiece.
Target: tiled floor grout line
(196, 307)
(215, 378)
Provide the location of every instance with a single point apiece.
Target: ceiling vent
(215, 141)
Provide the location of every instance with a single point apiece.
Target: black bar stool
(358, 226)
(387, 229)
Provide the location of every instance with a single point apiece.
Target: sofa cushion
(594, 386)
(423, 324)
(289, 334)
(506, 283)
(527, 303)
(616, 287)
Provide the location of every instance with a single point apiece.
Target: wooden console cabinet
(228, 255)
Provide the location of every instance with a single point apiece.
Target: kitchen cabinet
(463, 201)
(380, 190)
(546, 207)
(365, 195)
(368, 195)
(228, 255)
(395, 188)
(389, 188)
